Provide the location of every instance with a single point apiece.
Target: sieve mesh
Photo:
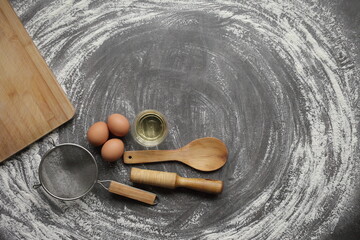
(68, 171)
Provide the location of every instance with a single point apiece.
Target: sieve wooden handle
(131, 192)
(172, 180)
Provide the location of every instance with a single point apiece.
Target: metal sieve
(69, 171)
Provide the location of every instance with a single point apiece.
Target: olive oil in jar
(149, 128)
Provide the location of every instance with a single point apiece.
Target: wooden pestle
(172, 180)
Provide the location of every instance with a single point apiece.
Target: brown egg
(112, 150)
(98, 133)
(118, 124)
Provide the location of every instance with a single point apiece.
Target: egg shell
(98, 133)
(118, 124)
(112, 150)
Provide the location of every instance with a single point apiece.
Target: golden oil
(149, 128)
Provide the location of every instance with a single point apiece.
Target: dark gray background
(276, 81)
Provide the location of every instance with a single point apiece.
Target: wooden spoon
(204, 154)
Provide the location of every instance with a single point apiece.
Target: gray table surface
(277, 81)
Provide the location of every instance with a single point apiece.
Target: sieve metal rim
(62, 145)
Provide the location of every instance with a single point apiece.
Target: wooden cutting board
(32, 102)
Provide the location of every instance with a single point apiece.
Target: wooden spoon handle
(131, 192)
(172, 180)
(149, 156)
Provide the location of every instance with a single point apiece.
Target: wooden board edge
(27, 144)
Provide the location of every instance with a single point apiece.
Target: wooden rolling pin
(172, 180)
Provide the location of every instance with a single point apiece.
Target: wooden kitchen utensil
(32, 102)
(204, 154)
(172, 180)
